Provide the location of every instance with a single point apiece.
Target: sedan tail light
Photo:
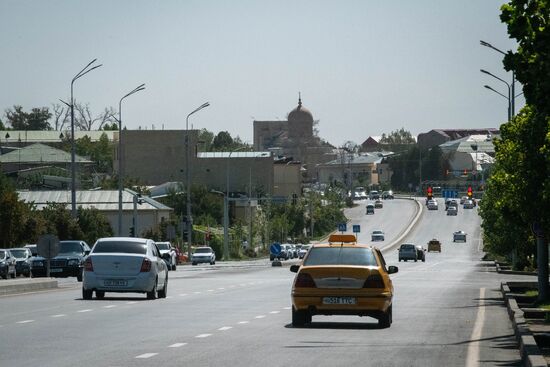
(374, 281)
(304, 280)
(145, 265)
(88, 265)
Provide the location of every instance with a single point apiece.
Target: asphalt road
(447, 312)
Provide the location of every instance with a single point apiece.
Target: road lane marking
(472, 357)
(203, 335)
(59, 315)
(244, 322)
(259, 317)
(146, 355)
(274, 312)
(224, 328)
(221, 289)
(197, 292)
(177, 345)
(86, 310)
(210, 290)
(131, 303)
(25, 321)
(109, 306)
(183, 294)
(286, 308)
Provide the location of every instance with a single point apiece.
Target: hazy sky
(363, 67)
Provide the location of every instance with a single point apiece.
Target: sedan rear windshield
(204, 250)
(163, 246)
(120, 246)
(359, 256)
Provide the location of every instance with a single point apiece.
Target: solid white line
(146, 355)
(25, 321)
(259, 317)
(274, 312)
(224, 328)
(60, 315)
(177, 345)
(109, 306)
(86, 310)
(244, 322)
(472, 358)
(203, 336)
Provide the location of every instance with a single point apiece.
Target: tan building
(287, 177)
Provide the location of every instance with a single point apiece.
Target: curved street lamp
(510, 113)
(512, 86)
(188, 179)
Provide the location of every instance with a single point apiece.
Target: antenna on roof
(299, 99)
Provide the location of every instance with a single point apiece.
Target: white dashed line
(224, 328)
(197, 292)
(109, 306)
(221, 289)
(146, 355)
(25, 321)
(60, 315)
(177, 345)
(86, 310)
(259, 317)
(244, 322)
(210, 290)
(203, 335)
(286, 308)
(274, 312)
(131, 303)
(183, 294)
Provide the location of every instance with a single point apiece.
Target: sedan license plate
(339, 300)
(56, 270)
(115, 283)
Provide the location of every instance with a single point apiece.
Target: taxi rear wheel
(300, 317)
(386, 319)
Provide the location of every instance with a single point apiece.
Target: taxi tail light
(304, 280)
(374, 281)
(88, 265)
(145, 265)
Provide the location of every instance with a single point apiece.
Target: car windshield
(163, 245)
(127, 247)
(2, 255)
(69, 247)
(19, 253)
(203, 250)
(407, 247)
(359, 256)
(377, 232)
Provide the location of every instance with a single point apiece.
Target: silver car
(166, 248)
(303, 251)
(125, 264)
(377, 236)
(203, 255)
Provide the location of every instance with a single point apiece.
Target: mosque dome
(300, 114)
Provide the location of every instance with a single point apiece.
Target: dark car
(7, 264)
(67, 263)
(421, 253)
(23, 260)
(408, 251)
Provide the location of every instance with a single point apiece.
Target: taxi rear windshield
(359, 256)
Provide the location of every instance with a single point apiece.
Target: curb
(8, 287)
(529, 350)
(405, 232)
(513, 272)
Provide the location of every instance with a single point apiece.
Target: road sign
(48, 246)
(356, 228)
(342, 227)
(275, 248)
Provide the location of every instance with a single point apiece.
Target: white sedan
(166, 248)
(125, 264)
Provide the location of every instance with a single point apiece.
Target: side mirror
(294, 268)
(392, 269)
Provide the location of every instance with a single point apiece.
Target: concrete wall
(287, 179)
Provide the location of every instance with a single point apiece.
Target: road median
(18, 286)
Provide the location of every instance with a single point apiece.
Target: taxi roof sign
(342, 238)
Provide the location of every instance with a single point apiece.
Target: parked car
(33, 249)
(7, 264)
(203, 255)
(459, 236)
(342, 278)
(377, 236)
(303, 251)
(407, 251)
(434, 245)
(378, 204)
(166, 248)
(125, 264)
(374, 195)
(68, 262)
(23, 260)
(452, 210)
(432, 204)
(370, 208)
(421, 253)
(387, 195)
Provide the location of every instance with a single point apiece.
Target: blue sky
(363, 67)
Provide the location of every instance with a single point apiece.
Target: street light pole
(80, 74)
(135, 90)
(188, 179)
(509, 104)
(510, 110)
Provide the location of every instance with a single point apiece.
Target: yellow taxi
(342, 278)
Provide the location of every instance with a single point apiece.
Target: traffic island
(531, 324)
(17, 286)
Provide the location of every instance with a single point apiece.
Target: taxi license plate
(56, 270)
(115, 283)
(339, 300)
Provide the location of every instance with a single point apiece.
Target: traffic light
(430, 192)
(132, 232)
(470, 193)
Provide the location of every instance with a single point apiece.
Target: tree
(93, 224)
(398, 137)
(2, 126)
(85, 121)
(37, 119)
(222, 142)
(61, 116)
(206, 137)
(60, 222)
(12, 214)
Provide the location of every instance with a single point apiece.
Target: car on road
(407, 251)
(463, 199)
(23, 260)
(378, 204)
(167, 248)
(125, 264)
(370, 209)
(374, 195)
(432, 204)
(459, 236)
(377, 236)
(33, 248)
(450, 203)
(7, 264)
(434, 245)
(387, 195)
(203, 255)
(452, 210)
(67, 263)
(303, 251)
(421, 253)
(342, 278)
(468, 204)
